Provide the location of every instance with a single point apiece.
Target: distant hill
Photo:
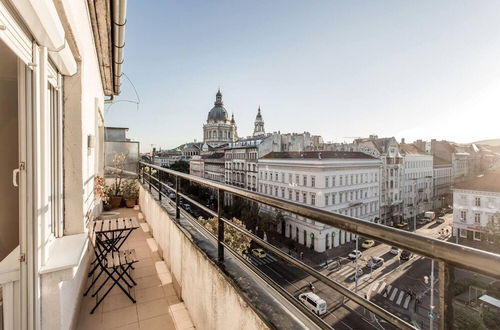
(490, 142)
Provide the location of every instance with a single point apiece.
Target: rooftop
(489, 181)
(318, 155)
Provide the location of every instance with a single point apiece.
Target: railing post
(149, 177)
(142, 172)
(159, 185)
(446, 282)
(220, 226)
(177, 198)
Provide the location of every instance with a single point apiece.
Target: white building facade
(476, 203)
(418, 182)
(347, 183)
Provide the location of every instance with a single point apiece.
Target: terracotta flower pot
(115, 201)
(130, 203)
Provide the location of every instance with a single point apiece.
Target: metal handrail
(448, 254)
(457, 255)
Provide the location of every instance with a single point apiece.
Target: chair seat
(124, 257)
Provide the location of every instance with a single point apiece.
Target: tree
(232, 237)
(180, 166)
(492, 228)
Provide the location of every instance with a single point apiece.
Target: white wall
(212, 302)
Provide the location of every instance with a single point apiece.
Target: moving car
(368, 244)
(355, 275)
(313, 302)
(259, 253)
(405, 255)
(355, 254)
(375, 262)
(394, 250)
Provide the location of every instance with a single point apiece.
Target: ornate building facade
(219, 129)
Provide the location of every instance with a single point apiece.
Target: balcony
(158, 305)
(182, 237)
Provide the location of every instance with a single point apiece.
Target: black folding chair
(115, 264)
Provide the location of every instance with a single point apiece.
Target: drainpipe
(119, 21)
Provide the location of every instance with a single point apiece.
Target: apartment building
(342, 182)
(417, 181)
(442, 180)
(58, 62)
(241, 163)
(392, 174)
(476, 202)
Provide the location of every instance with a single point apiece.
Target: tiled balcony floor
(157, 305)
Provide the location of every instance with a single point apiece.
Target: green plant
(130, 189)
(101, 190)
(232, 237)
(117, 172)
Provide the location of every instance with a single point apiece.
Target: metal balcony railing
(447, 255)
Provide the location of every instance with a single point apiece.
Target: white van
(313, 302)
(429, 216)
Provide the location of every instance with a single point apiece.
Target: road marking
(401, 294)
(272, 258)
(407, 301)
(381, 288)
(387, 290)
(393, 295)
(344, 271)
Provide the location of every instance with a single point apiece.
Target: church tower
(219, 129)
(259, 125)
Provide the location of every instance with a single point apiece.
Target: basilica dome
(218, 114)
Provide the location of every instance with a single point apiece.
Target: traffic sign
(432, 315)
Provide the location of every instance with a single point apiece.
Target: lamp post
(356, 271)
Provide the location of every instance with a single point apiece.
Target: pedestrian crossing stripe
(382, 286)
(400, 298)
(388, 290)
(345, 271)
(263, 261)
(393, 295)
(407, 301)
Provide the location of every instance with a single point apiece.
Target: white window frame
(474, 235)
(462, 232)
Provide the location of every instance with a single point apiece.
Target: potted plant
(101, 191)
(115, 190)
(130, 192)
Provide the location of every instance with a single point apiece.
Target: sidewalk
(310, 257)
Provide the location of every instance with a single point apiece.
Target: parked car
(355, 275)
(440, 220)
(259, 253)
(313, 302)
(375, 262)
(355, 254)
(421, 221)
(171, 196)
(405, 255)
(394, 250)
(368, 244)
(401, 224)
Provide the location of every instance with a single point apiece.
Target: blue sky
(412, 69)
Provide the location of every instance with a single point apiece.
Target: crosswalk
(344, 271)
(395, 295)
(262, 261)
